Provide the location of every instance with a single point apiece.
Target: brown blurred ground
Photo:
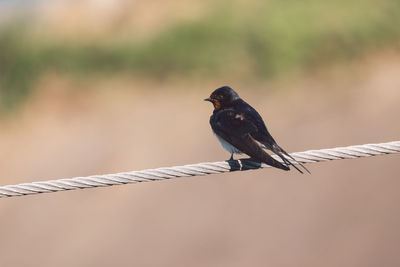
(344, 214)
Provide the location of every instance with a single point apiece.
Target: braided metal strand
(199, 169)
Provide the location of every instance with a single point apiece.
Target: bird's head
(223, 97)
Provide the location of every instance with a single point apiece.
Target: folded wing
(234, 128)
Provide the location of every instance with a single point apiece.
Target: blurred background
(94, 86)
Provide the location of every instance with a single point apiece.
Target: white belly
(231, 149)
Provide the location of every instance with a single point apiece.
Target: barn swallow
(240, 129)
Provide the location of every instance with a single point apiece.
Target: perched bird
(240, 129)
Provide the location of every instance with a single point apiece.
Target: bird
(241, 130)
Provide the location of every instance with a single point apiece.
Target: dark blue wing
(235, 128)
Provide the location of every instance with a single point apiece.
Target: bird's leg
(231, 157)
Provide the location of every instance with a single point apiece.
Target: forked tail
(282, 153)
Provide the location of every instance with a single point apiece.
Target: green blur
(258, 41)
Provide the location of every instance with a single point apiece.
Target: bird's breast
(227, 146)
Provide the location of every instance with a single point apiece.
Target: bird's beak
(208, 99)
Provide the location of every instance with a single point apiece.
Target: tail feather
(279, 151)
(259, 154)
(287, 162)
(272, 162)
(249, 146)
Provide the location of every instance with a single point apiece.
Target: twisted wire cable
(310, 156)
